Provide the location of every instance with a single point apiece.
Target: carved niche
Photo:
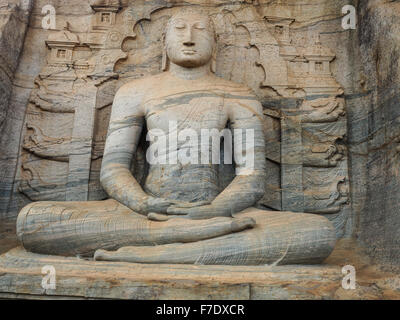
(105, 13)
(305, 126)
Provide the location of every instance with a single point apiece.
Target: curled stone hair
(184, 13)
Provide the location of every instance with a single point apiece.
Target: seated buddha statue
(182, 213)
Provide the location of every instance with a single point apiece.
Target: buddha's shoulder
(141, 85)
(148, 84)
(234, 88)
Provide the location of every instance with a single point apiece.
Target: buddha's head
(189, 41)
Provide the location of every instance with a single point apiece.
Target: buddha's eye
(200, 26)
(180, 26)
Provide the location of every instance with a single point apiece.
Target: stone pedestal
(21, 277)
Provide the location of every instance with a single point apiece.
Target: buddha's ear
(214, 61)
(165, 60)
(214, 57)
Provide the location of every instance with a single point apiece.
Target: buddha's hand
(161, 205)
(199, 212)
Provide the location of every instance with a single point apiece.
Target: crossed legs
(277, 238)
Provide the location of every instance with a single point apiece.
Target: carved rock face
(190, 40)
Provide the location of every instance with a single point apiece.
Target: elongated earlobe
(214, 61)
(165, 60)
(214, 55)
(214, 64)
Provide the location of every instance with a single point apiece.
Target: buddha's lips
(190, 52)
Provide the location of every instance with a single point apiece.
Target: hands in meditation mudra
(180, 215)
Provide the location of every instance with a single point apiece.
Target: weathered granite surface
(374, 136)
(182, 212)
(297, 94)
(21, 276)
(365, 67)
(14, 19)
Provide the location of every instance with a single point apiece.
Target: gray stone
(351, 176)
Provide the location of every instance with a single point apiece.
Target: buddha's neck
(190, 73)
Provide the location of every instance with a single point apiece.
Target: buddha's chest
(194, 110)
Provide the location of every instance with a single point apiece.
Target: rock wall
(14, 19)
(329, 96)
(374, 130)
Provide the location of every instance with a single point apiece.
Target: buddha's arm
(126, 123)
(248, 187)
(123, 136)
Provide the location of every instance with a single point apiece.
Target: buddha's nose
(189, 43)
(188, 40)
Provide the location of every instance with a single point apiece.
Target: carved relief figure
(180, 214)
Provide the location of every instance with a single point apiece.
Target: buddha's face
(190, 40)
